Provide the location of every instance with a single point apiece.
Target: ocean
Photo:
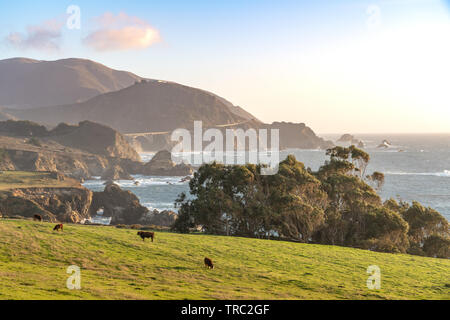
(416, 167)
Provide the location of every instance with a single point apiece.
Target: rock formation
(385, 144)
(162, 165)
(81, 151)
(115, 172)
(122, 206)
(70, 205)
(87, 136)
(94, 138)
(159, 218)
(350, 140)
(298, 136)
(79, 166)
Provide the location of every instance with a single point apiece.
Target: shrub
(35, 142)
(437, 246)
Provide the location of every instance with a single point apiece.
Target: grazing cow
(144, 235)
(37, 217)
(58, 227)
(208, 263)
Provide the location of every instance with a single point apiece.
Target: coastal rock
(70, 205)
(346, 138)
(5, 162)
(298, 136)
(164, 218)
(385, 144)
(350, 140)
(122, 206)
(94, 138)
(162, 165)
(72, 166)
(115, 172)
(77, 151)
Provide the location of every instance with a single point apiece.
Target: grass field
(24, 179)
(117, 264)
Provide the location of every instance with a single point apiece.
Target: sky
(349, 66)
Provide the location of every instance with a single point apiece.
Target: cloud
(46, 36)
(121, 32)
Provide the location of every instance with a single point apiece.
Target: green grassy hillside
(25, 179)
(117, 264)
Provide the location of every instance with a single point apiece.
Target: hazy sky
(339, 66)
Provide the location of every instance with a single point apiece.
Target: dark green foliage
(35, 142)
(23, 128)
(437, 246)
(3, 154)
(331, 206)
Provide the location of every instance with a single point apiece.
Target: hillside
(78, 150)
(87, 90)
(23, 179)
(146, 106)
(28, 83)
(116, 264)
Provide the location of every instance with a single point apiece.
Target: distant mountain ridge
(146, 106)
(28, 83)
(125, 102)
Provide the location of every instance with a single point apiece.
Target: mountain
(28, 83)
(298, 136)
(131, 105)
(146, 106)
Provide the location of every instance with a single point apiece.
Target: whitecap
(445, 173)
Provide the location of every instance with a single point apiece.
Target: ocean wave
(445, 173)
(160, 206)
(139, 182)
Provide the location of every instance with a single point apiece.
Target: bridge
(155, 133)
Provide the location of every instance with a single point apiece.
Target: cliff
(19, 155)
(87, 136)
(122, 206)
(162, 165)
(53, 196)
(298, 136)
(78, 151)
(94, 138)
(70, 205)
(58, 198)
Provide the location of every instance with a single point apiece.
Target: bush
(437, 246)
(35, 142)
(2, 154)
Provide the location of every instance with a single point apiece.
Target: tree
(437, 246)
(334, 205)
(377, 178)
(425, 223)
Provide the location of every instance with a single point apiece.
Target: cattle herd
(144, 235)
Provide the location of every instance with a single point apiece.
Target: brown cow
(144, 235)
(208, 263)
(37, 217)
(59, 227)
